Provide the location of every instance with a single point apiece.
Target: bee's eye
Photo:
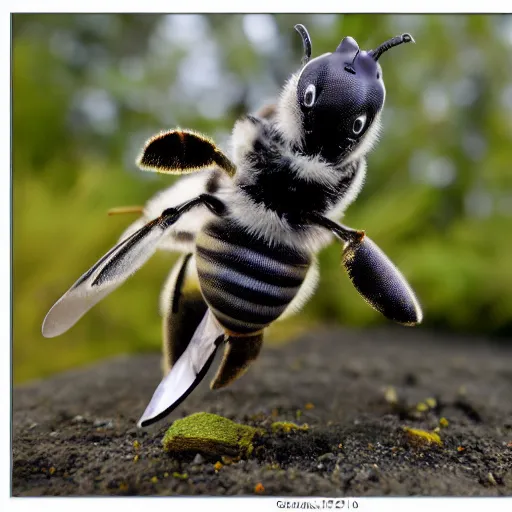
(359, 124)
(310, 95)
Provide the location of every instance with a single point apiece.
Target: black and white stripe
(247, 282)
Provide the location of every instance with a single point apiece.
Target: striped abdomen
(246, 282)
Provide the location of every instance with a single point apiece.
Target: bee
(250, 224)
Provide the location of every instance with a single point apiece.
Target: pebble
(198, 459)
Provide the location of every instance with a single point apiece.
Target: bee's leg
(373, 274)
(239, 353)
(182, 307)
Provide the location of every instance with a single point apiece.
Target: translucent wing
(187, 372)
(104, 277)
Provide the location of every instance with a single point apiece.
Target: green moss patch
(211, 434)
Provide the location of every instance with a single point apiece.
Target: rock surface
(76, 434)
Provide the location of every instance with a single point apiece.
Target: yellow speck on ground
(309, 406)
(443, 422)
(460, 448)
(287, 427)
(154, 479)
(431, 402)
(491, 479)
(340, 446)
(51, 470)
(136, 458)
(136, 444)
(422, 407)
(180, 476)
(218, 466)
(390, 395)
(422, 438)
(166, 474)
(209, 433)
(258, 488)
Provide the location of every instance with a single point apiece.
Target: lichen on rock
(211, 434)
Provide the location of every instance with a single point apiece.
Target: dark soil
(76, 434)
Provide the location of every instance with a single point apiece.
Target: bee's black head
(340, 95)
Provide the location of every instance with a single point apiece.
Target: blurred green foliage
(89, 89)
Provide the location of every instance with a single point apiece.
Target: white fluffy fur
(242, 139)
(289, 117)
(266, 223)
(313, 169)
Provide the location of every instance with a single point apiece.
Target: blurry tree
(88, 89)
